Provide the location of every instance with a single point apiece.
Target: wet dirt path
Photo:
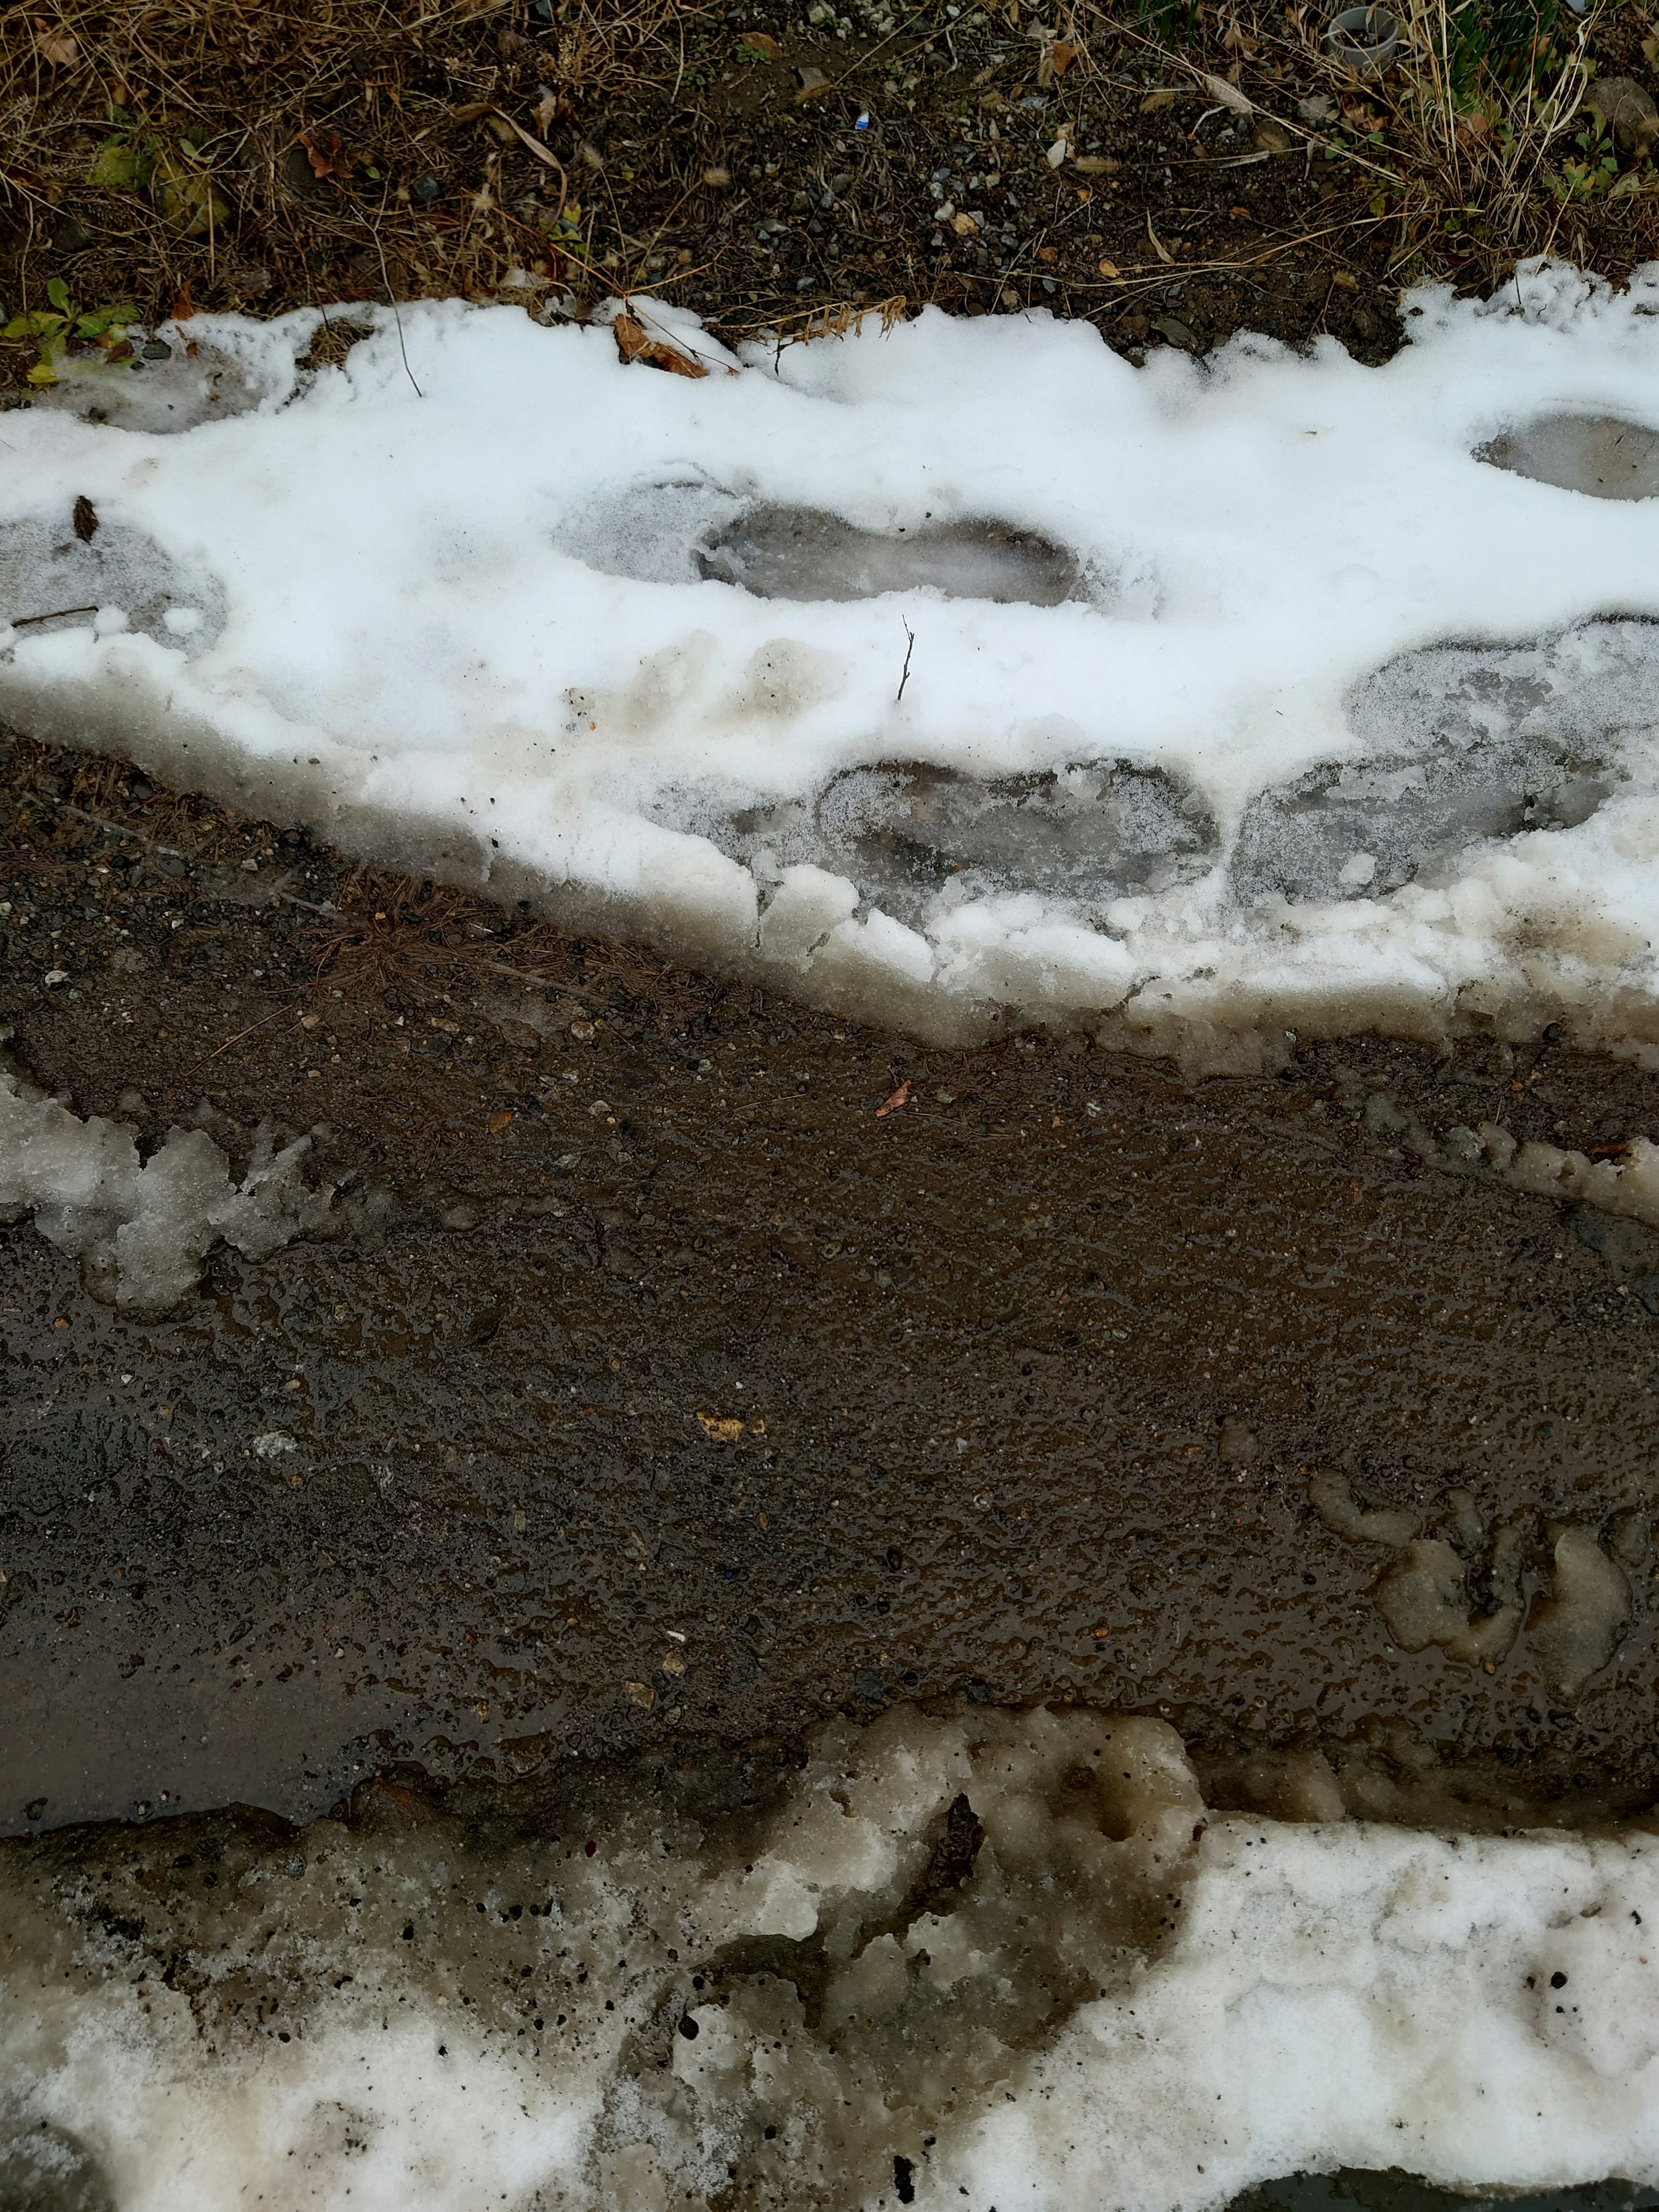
(698, 1400)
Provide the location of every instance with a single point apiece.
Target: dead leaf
(900, 1097)
(1098, 165)
(548, 160)
(499, 1121)
(1270, 136)
(813, 83)
(1158, 246)
(86, 520)
(326, 153)
(1237, 41)
(1048, 253)
(761, 42)
(719, 1430)
(1109, 269)
(963, 225)
(1165, 96)
(1228, 94)
(1052, 62)
(55, 45)
(641, 1693)
(636, 342)
(1177, 333)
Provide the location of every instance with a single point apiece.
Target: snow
(1127, 2003)
(141, 1227)
(1242, 693)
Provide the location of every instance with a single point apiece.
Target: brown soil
(355, 155)
(670, 1349)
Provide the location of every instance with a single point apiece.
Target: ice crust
(1007, 1958)
(1284, 690)
(141, 1227)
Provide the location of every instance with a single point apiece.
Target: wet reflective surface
(1598, 454)
(799, 553)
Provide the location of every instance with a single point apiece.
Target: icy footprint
(162, 388)
(56, 574)
(1594, 453)
(802, 553)
(1463, 742)
(1091, 832)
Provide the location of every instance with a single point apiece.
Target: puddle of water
(796, 553)
(1594, 453)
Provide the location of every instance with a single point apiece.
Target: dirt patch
(678, 1391)
(1173, 180)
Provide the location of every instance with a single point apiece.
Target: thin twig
(909, 647)
(22, 622)
(239, 1035)
(374, 232)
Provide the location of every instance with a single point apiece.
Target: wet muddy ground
(657, 1389)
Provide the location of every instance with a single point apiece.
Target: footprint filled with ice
(76, 567)
(1599, 454)
(904, 833)
(784, 553)
(1496, 741)
(953, 675)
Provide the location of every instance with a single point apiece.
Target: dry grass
(281, 144)
(424, 941)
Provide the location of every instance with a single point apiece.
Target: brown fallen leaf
(86, 520)
(721, 1430)
(326, 151)
(636, 342)
(900, 1097)
(813, 84)
(1097, 165)
(499, 1120)
(760, 42)
(1108, 269)
(963, 225)
(1270, 136)
(1165, 96)
(548, 158)
(55, 45)
(1053, 61)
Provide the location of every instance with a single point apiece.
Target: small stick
(909, 647)
(239, 1035)
(18, 622)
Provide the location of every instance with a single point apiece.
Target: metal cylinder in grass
(1364, 40)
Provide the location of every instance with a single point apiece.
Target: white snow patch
(1243, 692)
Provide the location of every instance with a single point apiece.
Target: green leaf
(186, 199)
(122, 165)
(39, 325)
(58, 293)
(94, 326)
